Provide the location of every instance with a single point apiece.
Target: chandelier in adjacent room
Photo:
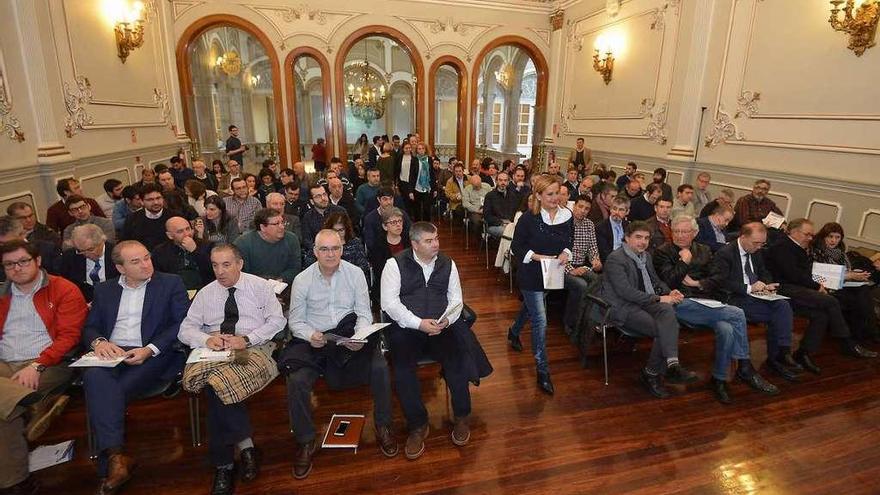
(367, 98)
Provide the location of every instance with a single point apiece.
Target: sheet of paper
(90, 360)
(49, 455)
(711, 303)
(830, 275)
(553, 273)
(278, 286)
(191, 294)
(449, 311)
(773, 220)
(205, 355)
(852, 283)
(363, 333)
(768, 296)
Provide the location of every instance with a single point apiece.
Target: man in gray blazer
(642, 305)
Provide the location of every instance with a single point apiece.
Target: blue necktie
(95, 274)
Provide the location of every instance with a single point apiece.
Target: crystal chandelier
(504, 76)
(367, 100)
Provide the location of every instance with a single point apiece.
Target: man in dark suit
(712, 228)
(791, 264)
(610, 233)
(375, 151)
(184, 255)
(642, 207)
(373, 232)
(135, 317)
(88, 262)
(737, 271)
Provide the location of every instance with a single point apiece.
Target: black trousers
(421, 206)
(228, 424)
(857, 305)
(823, 311)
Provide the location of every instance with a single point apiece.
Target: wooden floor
(817, 436)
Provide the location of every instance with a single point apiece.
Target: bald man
(184, 255)
(276, 201)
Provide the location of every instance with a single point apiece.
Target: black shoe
(545, 384)
(172, 391)
(806, 361)
(855, 350)
(720, 391)
(249, 465)
(780, 369)
(515, 343)
(224, 482)
(27, 487)
(654, 384)
(757, 382)
(678, 375)
(786, 360)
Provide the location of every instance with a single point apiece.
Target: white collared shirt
(90, 265)
(742, 266)
(390, 297)
(127, 330)
(154, 216)
(562, 216)
(318, 304)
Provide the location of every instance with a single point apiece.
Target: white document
(830, 275)
(710, 303)
(49, 455)
(191, 294)
(360, 335)
(553, 273)
(205, 355)
(91, 360)
(857, 284)
(278, 286)
(768, 296)
(449, 311)
(773, 220)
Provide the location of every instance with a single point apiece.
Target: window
(524, 131)
(496, 123)
(481, 132)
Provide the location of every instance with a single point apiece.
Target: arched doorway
(308, 96)
(447, 107)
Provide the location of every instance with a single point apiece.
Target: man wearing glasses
(41, 317)
(88, 263)
(81, 212)
(610, 232)
(270, 250)
(33, 230)
(313, 220)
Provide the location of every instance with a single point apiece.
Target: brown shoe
(120, 467)
(387, 443)
(302, 465)
(27, 487)
(415, 442)
(42, 415)
(461, 432)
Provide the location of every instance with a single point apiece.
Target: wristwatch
(247, 341)
(39, 367)
(96, 342)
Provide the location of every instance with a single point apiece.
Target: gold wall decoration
(229, 63)
(861, 27)
(9, 124)
(129, 30)
(75, 101)
(604, 65)
(723, 129)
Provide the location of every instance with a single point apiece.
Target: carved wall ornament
(76, 100)
(557, 20)
(612, 7)
(656, 130)
(9, 123)
(647, 105)
(161, 100)
(659, 21)
(723, 129)
(571, 112)
(304, 11)
(441, 25)
(747, 104)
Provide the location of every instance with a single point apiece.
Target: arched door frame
(541, 89)
(418, 72)
(458, 65)
(291, 98)
(196, 29)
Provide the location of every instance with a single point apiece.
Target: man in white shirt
(330, 298)
(112, 195)
(233, 313)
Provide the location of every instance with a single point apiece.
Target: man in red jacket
(41, 317)
(57, 216)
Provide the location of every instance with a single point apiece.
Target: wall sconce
(229, 63)
(861, 28)
(604, 65)
(129, 30)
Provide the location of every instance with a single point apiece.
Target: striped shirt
(24, 335)
(318, 304)
(584, 249)
(242, 211)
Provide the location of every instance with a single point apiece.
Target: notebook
(344, 431)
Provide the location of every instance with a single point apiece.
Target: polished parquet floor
(819, 436)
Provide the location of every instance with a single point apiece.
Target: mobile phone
(342, 428)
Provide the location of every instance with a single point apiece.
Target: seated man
(661, 230)
(790, 263)
(331, 296)
(57, 216)
(270, 251)
(642, 208)
(33, 230)
(642, 304)
(41, 317)
(712, 228)
(131, 202)
(240, 205)
(147, 225)
(419, 285)
(89, 262)
(737, 271)
(366, 192)
(275, 201)
(313, 219)
(500, 206)
(603, 197)
(341, 197)
(373, 230)
(135, 316)
(454, 189)
(50, 256)
(755, 206)
(233, 313)
(81, 212)
(610, 232)
(684, 265)
(684, 204)
(580, 271)
(184, 255)
(473, 197)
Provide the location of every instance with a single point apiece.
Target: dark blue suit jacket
(165, 307)
(706, 235)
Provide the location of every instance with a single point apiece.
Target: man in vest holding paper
(329, 302)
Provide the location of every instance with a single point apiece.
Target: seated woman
(388, 245)
(352, 249)
(267, 185)
(856, 302)
(217, 226)
(196, 194)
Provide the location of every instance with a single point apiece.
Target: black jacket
(791, 264)
(498, 207)
(605, 238)
(726, 272)
(73, 268)
(706, 235)
(672, 270)
(640, 209)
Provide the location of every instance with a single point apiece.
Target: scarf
(424, 179)
(641, 264)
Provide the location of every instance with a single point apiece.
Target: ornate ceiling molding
(303, 19)
(747, 104)
(723, 129)
(438, 32)
(76, 100)
(9, 123)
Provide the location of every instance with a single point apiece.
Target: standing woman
(544, 232)
(386, 164)
(421, 180)
(361, 148)
(403, 168)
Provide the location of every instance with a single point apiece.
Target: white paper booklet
(773, 220)
(711, 303)
(49, 455)
(553, 274)
(830, 275)
(278, 286)
(768, 296)
(91, 360)
(360, 335)
(205, 355)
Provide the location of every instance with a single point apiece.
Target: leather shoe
(720, 391)
(461, 431)
(515, 343)
(302, 465)
(654, 384)
(249, 464)
(780, 369)
(224, 482)
(42, 415)
(415, 442)
(28, 486)
(757, 382)
(806, 361)
(678, 375)
(545, 384)
(119, 469)
(786, 360)
(387, 443)
(855, 350)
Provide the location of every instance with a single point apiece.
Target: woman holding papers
(855, 296)
(542, 233)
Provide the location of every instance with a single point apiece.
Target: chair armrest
(598, 301)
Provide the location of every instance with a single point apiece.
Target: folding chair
(600, 313)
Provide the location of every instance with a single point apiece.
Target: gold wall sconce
(129, 29)
(229, 63)
(604, 65)
(861, 27)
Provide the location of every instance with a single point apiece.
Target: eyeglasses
(394, 222)
(682, 232)
(329, 249)
(87, 250)
(78, 208)
(275, 224)
(8, 265)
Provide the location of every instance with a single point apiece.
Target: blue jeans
(534, 309)
(729, 323)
